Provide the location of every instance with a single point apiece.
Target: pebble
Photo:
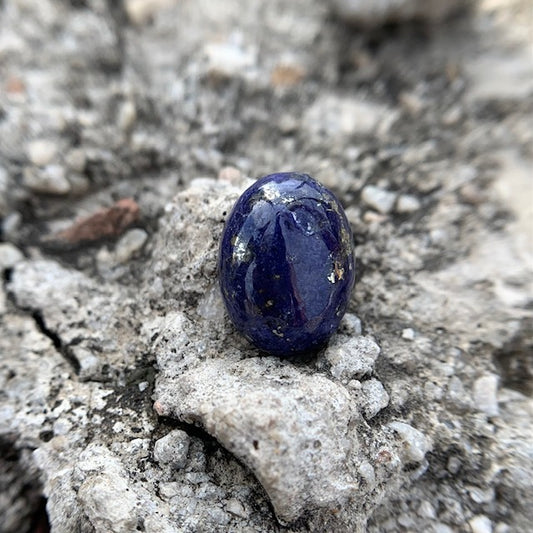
(426, 510)
(407, 203)
(408, 334)
(10, 255)
(374, 397)
(172, 449)
(49, 180)
(333, 116)
(355, 357)
(127, 115)
(485, 394)
(129, 244)
(416, 443)
(367, 472)
(236, 508)
(480, 524)
(228, 59)
(454, 465)
(41, 152)
(379, 199)
(141, 11)
(76, 160)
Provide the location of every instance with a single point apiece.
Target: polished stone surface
(286, 264)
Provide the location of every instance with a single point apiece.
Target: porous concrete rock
(131, 106)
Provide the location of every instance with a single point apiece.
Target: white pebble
(378, 199)
(374, 397)
(130, 243)
(50, 180)
(41, 152)
(416, 444)
(480, 524)
(408, 334)
(407, 204)
(485, 394)
(9, 255)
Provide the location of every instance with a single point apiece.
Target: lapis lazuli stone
(286, 264)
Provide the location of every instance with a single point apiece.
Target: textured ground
(127, 401)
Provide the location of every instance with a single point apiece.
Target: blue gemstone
(286, 264)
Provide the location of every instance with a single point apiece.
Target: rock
(229, 59)
(130, 244)
(408, 334)
(485, 394)
(172, 449)
(363, 13)
(4, 185)
(42, 152)
(415, 442)
(10, 255)
(351, 357)
(331, 115)
(378, 199)
(241, 404)
(480, 524)
(407, 203)
(141, 11)
(374, 397)
(48, 180)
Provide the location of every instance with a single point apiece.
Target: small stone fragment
(48, 180)
(485, 394)
(333, 116)
(407, 203)
(228, 59)
(426, 510)
(351, 357)
(416, 444)
(172, 449)
(108, 222)
(480, 524)
(378, 198)
(10, 255)
(408, 334)
(141, 11)
(374, 397)
(129, 244)
(41, 152)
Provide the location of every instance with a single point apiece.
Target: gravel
(128, 402)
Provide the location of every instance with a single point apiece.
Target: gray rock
(130, 244)
(172, 449)
(10, 255)
(374, 397)
(416, 444)
(485, 394)
(42, 152)
(378, 199)
(407, 203)
(48, 180)
(351, 357)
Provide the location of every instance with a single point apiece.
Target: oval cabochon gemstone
(286, 264)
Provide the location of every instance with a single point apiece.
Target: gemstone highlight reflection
(286, 264)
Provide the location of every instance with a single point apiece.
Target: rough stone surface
(127, 400)
(364, 13)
